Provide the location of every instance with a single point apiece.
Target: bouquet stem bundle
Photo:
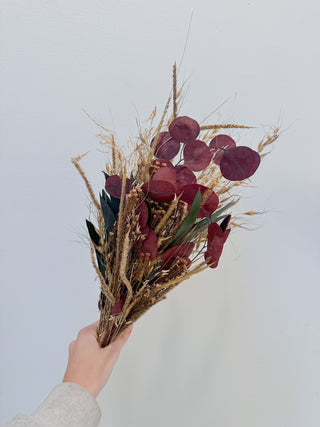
(163, 215)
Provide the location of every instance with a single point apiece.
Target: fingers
(89, 330)
(117, 345)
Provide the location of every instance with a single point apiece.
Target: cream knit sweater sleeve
(68, 405)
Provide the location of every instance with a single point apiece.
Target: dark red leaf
(114, 184)
(117, 307)
(145, 231)
(171, 254)
(184, 129)
(239, 163)
(149, 244)
(209, 199)
(209, 206)
(167, 147)
(218, 144)
(143, 212)
(197, 155)
(166, 174)
(216, 240)
(161, 191)
(189, 191)
(184, 176)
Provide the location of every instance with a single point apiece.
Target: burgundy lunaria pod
(184, 129)
(217, 146)
(114, 184)
(239, 163)
(167, 147)
(197, 155)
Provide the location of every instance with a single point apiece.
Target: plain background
(235, 346)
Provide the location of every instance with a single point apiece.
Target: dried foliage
(153, 215)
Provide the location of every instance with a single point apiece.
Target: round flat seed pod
(184, 129)
(239, 163)
(217, 146)
(197, 155)
(167, 147)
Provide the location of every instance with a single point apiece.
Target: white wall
(238, 346)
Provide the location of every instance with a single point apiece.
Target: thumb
(121, 340)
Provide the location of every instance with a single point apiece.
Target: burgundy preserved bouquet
(164, 212)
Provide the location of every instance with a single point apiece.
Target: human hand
(89, 365)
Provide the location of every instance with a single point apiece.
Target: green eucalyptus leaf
(101, 263)
(189, 221)
(104, 195)
(108, 215)
(94, 235)
(114, 204)
(106, 175)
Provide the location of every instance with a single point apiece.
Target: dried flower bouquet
(164, 213)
